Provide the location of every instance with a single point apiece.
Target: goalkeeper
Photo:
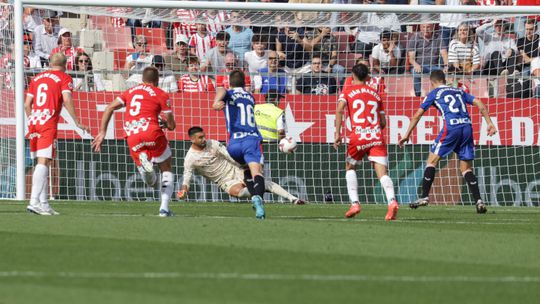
(211, 160)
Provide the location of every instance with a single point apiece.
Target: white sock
(388, 186)
(39, 182)
(244, 193)
(352, 185)
(167, 185)
(44, 195)
(277, 189)
(150, 179)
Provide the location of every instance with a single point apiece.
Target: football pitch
(105, 252)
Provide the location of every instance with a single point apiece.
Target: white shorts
(163, 157)
(44, 153)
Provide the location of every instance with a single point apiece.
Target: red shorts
(42, 142)
(156, 147)
(374, 149)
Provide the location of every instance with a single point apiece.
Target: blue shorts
(459, 140)
(246, 150)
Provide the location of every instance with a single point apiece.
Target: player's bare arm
(414, 121)
(383, 120)
(68, 104)
(219, 104)
(170, 122)
(492, 130)
(109, 110)
(28, 105)
(339, 119)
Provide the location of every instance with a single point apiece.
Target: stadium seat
(99, 22)
(348, 59)
(120, 58)
(342, 41)
(117, 38)
(399, 86)
(155, 37)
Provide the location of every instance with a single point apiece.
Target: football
(287, 145)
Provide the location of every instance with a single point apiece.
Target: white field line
(497, 221)
(269, 277)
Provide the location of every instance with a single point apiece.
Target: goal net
(491, 56)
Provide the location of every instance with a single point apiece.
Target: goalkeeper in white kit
(210, 159)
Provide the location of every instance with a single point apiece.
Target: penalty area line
(270, 277)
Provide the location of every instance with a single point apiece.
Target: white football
(287, 145)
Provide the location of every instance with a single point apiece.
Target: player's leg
(278, 190)
(353, 156)
(380, 164)
(141, 158)
(427, 180)
(42, 149)
(167, 186)
(252, 155)
(258, 189)
(465, 154)
(352, 189)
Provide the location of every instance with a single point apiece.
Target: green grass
(105, 252)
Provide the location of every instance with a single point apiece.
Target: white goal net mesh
(494, 57)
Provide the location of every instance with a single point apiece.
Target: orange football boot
(354, 210)
(392, 211)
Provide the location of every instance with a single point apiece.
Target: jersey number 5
(135, 105)
(359, 106)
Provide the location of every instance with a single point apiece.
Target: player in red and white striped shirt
(201, 42)
(375, 82)
(193, 82)
(214, 20)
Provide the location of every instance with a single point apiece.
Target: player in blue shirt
(244, 137)
(456, 135)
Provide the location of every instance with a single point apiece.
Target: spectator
(270, 32)
(31, 59)
(291, 49)
(231, 64)
(368, 35)
(65, 46)
(214, 20)
(200, 43)
(86, 80)
(271, 77)
(181, 28)
(317, 82)
(167, 81)
(178, 61)
(449, 22)
(32, 18)
(258, 58)
(463, 54)
(535, 71)
(240, 36)
(425, 49)
(145, 22)
(46, 36)
(386, 55)
(323, 44)
(141, 58)
(499, 52)
(214, 60)
(528, 46)
(375, 82)
(194, 82)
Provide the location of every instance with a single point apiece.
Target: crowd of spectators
(289, 54)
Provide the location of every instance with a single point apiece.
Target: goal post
(507, 165)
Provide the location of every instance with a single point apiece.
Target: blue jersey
(239, 114)
(451, 103)
(456, 134)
